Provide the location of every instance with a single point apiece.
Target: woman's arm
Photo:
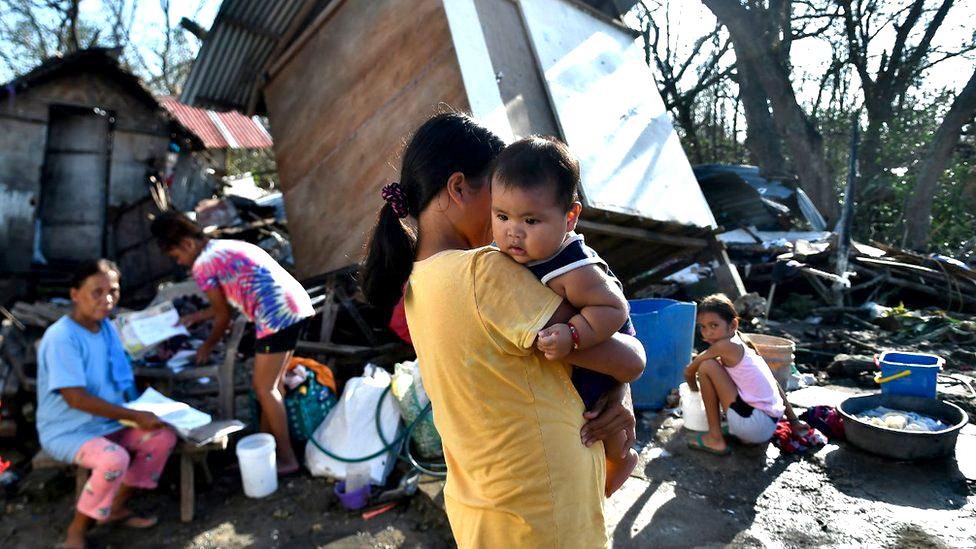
(612, 413)
(80, 399)
(221, 316)
(197, 317)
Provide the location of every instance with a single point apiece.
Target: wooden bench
(214, 436)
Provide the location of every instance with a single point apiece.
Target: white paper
(179, 415)
(157, 324)
(181, 360)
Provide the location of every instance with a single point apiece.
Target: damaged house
(85, 150)
(343, 83)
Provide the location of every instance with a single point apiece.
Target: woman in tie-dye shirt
(232, 272)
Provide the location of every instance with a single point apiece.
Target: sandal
(699, 444)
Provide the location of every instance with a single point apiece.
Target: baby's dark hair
(719, 304)
(538, 161)
(170, 228)
(93, 267)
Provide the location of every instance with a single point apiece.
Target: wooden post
(186, 487)
(726, 273)
(225, 372)
(330, 309)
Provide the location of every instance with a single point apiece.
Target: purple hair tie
(396, 198)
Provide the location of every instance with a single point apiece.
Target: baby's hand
(555, 341)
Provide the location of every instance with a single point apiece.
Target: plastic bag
(408, 388)
(349, 431)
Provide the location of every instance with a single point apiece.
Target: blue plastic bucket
(666, 329)
(911, 374)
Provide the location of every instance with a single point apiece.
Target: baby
(534, 210)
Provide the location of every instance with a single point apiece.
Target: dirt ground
(304, 512)
(839, 496)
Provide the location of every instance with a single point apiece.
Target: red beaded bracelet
(574, 335)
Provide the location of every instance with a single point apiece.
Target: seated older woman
(82, 380)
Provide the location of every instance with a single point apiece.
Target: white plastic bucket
(256, 457)
(692, 409)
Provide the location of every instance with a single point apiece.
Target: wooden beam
(636, 233)
(304, 37)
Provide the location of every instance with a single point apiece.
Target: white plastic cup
(256, 458)
(692, 409)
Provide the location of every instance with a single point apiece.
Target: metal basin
(898, 444)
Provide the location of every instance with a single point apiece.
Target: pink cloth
(111, 466)
(756, 383)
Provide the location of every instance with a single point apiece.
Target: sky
(146, 33)
(811, 56)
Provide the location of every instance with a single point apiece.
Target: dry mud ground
(837, 497)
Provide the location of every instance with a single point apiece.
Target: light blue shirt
(72, 356)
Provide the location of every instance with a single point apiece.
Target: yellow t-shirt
(510, 420)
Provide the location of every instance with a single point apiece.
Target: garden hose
(400, 446)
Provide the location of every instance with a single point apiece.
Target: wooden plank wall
(340, 111)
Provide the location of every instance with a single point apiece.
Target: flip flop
(699, 444)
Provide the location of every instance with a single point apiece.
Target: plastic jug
(692, 409)
(256, 457)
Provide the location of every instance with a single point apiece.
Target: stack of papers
(141, 330)
(179, 415)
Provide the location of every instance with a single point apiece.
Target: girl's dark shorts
(281, 341)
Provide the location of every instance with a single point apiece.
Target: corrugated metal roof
(242, 37)
(219, 130)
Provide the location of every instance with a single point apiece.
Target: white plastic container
(692, 409)
(256, 457)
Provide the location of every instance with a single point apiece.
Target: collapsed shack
(85, 149)
(336, 142)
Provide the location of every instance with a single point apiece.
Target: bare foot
(619, 470)
(74, 540)
(128, 518)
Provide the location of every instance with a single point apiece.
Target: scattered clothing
(900, 420)
(72, 356)
(323, 374)
(573, 254)
(790, 441)
(254, 283)
(295, 377)
(755, 382)
(825, 419)
(112, 466)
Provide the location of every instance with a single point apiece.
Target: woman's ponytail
(389, 259)
(447, 143)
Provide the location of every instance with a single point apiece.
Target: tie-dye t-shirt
(254, 283)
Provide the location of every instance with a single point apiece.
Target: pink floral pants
(111, 466)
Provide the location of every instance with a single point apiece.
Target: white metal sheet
(612, 116)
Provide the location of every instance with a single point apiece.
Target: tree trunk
(918, 208)
(762, 139)
(799, 134)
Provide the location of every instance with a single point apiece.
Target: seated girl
(733, 376)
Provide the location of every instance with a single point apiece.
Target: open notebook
(179, 415)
